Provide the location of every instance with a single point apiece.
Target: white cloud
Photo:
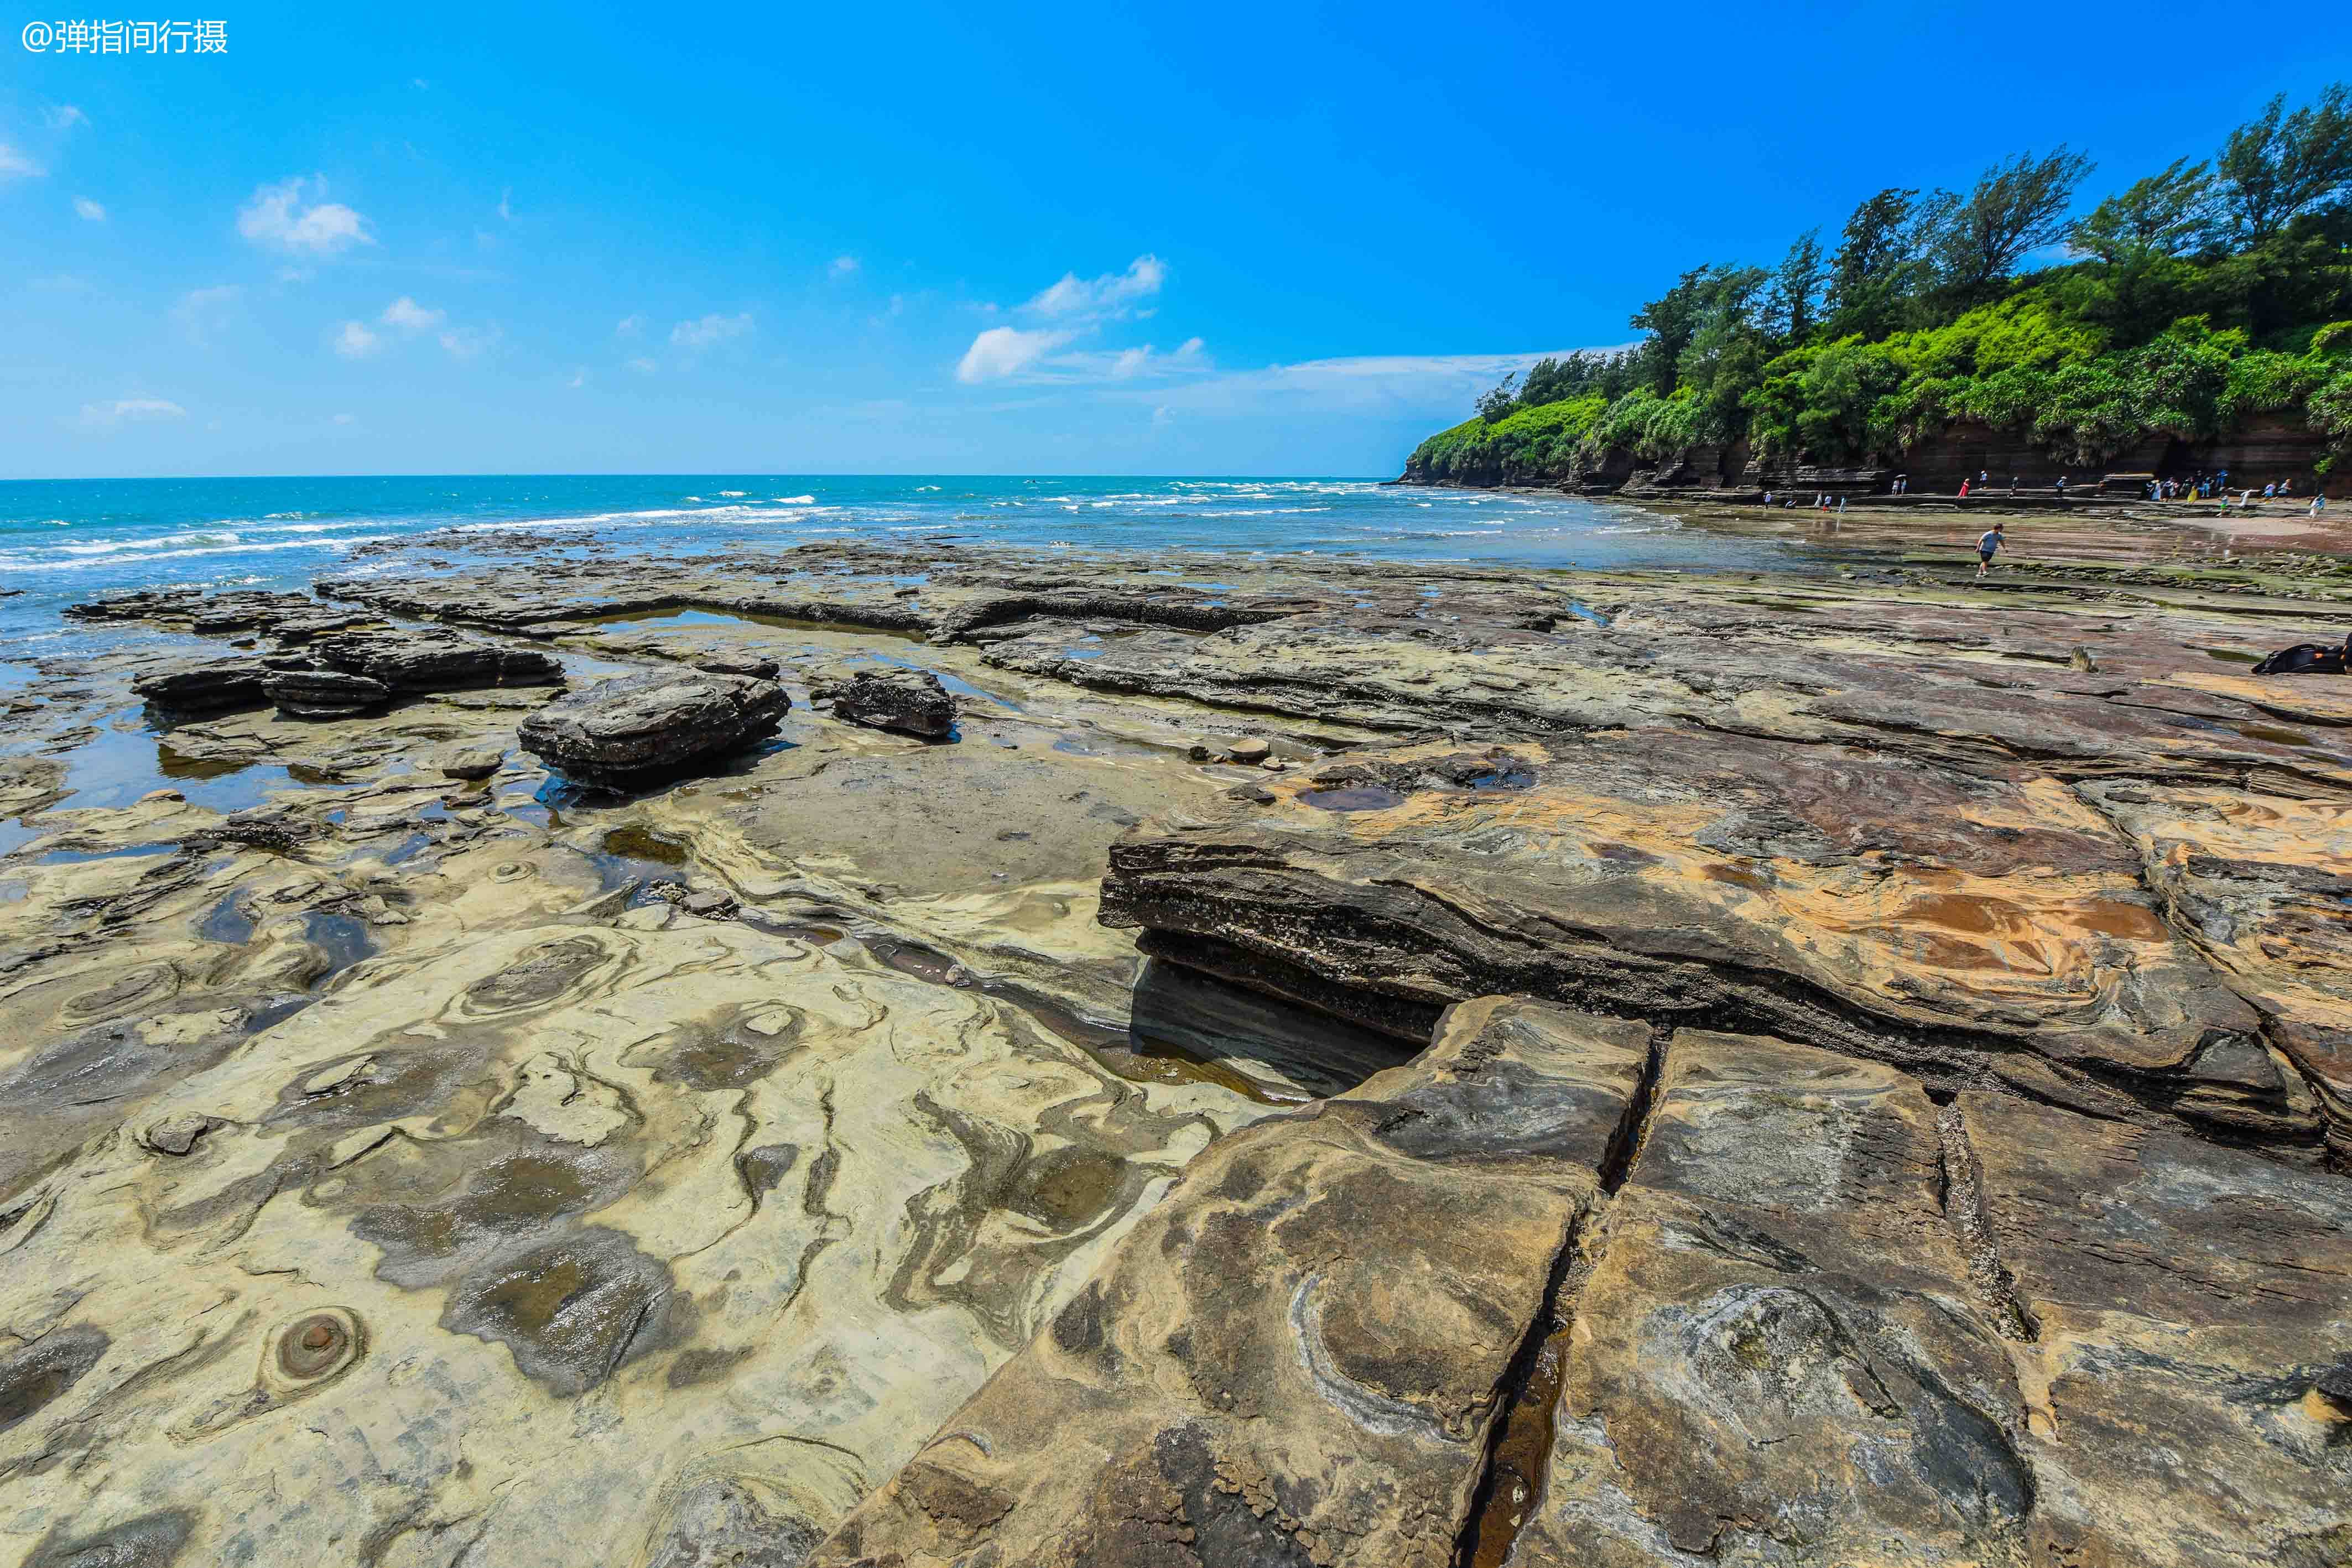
(842, 265)
(579, 379)
(629, 326)
(106, 415)
(16, 165)
(343, 418)
(1110, 295)
(355, 341)
(408, 316)
(90, 209)
(709, 330)
(466, 342)
(506, 208)
(1001, 351)
(278, 219)
(642, 366)
(202, 314)
(63, 116)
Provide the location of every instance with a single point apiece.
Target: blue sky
(1039, 239)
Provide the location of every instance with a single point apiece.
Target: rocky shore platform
(943, 1055)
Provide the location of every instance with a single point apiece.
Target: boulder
(325, 694)
(434, 660)
(639, 728)
(756, 665)
(468, 762)
(887, 696)
(209, 686)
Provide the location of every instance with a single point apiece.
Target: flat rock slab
(2188, 1310)
(1803, 1316)
(1772, 1353)
(639, 728)
(1297, 1357)
(887, 696)
(1977, 928)
(661, 1243)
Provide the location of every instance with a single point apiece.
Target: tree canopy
(2186, 302)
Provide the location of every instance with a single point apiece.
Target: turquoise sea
(65, 541)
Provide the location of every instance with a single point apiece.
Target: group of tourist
(2216, 486)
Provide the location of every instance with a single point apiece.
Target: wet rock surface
(1918, 1134)
(637, 729)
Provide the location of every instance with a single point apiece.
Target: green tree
(1977, 241)
(1876, 266)
(2168, 214)
(1672, 320)
(1794, 307)
(1500, 400)
(2273, 169)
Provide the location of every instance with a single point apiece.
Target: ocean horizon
(66, 540)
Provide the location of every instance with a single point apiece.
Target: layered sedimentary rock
(887, 697)
(1299, 1358)
(324, 693)
(1794, 1315)
(638, 728)
(1978, 929)
(433, 660)
(333, 675)
(206, 685)
(422, 1172)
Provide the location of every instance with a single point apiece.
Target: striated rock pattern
(638, 728)
(647, 1241)
(333, 675)
(1296, 1359)
(1779, 1310)
(1984, 929)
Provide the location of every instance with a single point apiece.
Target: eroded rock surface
(636, 729)
(887, 696)
(461, 1166)
(739, 1219)
(1299, 1356)
(1975, 926)
(1799, 1314)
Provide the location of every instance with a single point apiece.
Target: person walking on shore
(1989, 546)
(2318, 504)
